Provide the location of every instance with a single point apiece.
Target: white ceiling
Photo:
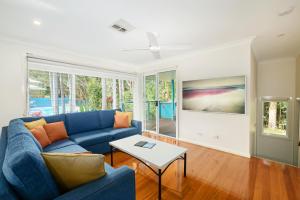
(84, 26)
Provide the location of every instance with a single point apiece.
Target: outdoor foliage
(165, 94)
(39, 84)
(275, 117)
(88, 92)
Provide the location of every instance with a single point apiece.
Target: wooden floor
(213, 174)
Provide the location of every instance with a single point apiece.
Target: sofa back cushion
(49, 119)
(6, 192)
(16, 127)
(82, 122)
(107, 118)
(24, 167)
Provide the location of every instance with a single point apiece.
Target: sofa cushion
(69, 149)
(49, 119)
(59, 144)
(107, 118)
(129, 114)
(40, 134)
(25, 169)
(91, 137)
(71, 170)
(6, 192)
(121, 121)
(122, 133)
(16, 127)
(56, 131)
(82, 122)
(35, 123)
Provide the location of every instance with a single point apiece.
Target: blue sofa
(24, 174)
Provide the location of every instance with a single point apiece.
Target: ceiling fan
(155, 48)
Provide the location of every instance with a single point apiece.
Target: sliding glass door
(160, 103)
(150, 103)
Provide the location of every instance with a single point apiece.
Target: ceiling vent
(122, 26)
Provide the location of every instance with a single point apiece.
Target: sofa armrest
(137, 124)
(119, 185)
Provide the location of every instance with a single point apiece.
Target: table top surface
(158, 156)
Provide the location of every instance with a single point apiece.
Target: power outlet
(216, 137)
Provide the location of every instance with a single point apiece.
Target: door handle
(156, 103)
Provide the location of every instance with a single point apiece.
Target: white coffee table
(158, 159)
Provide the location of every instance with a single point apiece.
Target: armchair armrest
(119, 185)
(137, 124)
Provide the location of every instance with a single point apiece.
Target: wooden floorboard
(213, 174)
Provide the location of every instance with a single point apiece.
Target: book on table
(145, 144)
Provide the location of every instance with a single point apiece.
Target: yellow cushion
(129, 114)
(71, 170)
(36, 123)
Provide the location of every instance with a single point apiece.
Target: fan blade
(175, 47)
(156, 54)
(142, 49)
(152, 39)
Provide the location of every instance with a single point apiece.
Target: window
(109, 93)
(52, 93)
(275, 115)
(128, 95)
(39, 93)
(88, 93)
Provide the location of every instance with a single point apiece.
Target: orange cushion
(121, 121)
(129, 114)
(56, 131)
(40, 134)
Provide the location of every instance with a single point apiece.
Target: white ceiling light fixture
(37, 22)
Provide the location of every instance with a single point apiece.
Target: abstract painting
(215, 95)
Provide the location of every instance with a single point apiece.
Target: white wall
(253, 103)
(203, 127)
(13, 73)
(277, 77)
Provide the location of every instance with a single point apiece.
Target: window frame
(76, 70)
(288, 117)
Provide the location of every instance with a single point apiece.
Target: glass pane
(109, 94)
(275, 118)
(167, 103)
(150, 109)
(88, 93)
(150, 102)
(40, 103)
(150, 84)
(64, 103)
(118, 93)
(128, 95)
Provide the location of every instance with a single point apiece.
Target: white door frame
(156, 73)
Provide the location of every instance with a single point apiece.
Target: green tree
(89, 93)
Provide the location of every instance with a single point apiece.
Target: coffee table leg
(159, 184)
(184, 172)
(111, 156)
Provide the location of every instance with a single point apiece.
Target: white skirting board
(215, 147)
